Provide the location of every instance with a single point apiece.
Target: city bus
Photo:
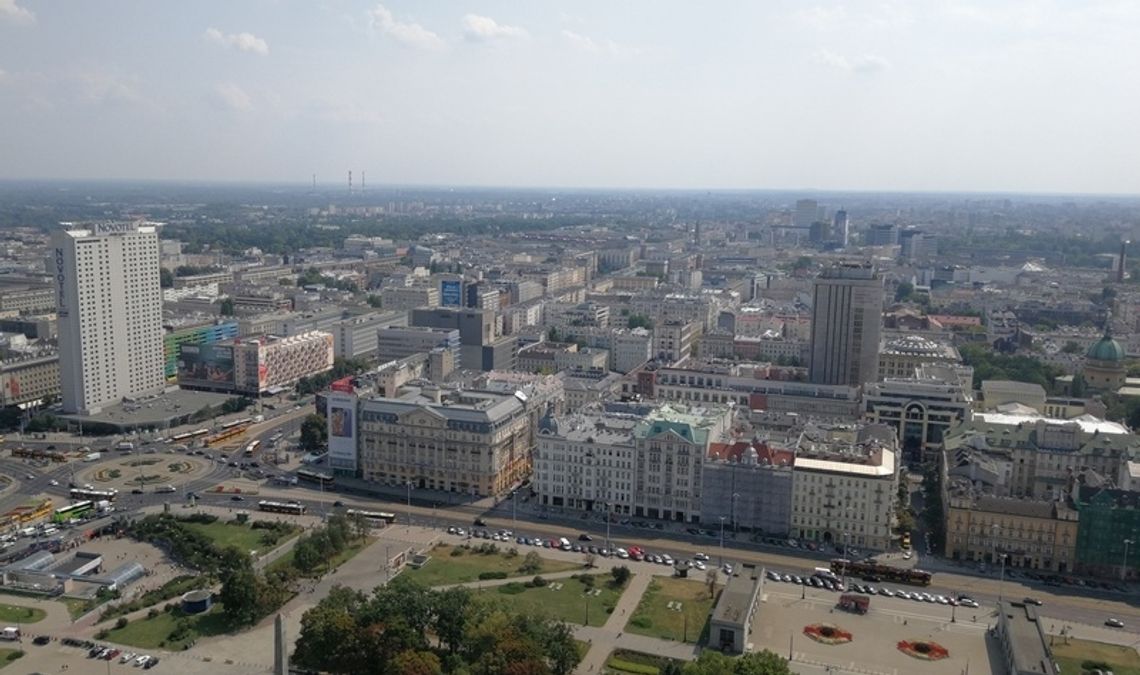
(372, 517)
(77, 510)
(225, 435)
(237, 423)
(94, 495)
(177, 438)
(322, 479)
(252, 447)
(281, 507)
(878, 572)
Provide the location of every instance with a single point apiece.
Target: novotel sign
(115, 228)
(60, 279)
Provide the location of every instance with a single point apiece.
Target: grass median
(458, 564)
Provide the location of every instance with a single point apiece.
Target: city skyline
(952, 97)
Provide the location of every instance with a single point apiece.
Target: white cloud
(866, 64)
(233, 97)
(484, 28)
(380, 19)
(105, 87)
(589, 44)
(243, 42)
(10, 11)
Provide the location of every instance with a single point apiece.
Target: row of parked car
(834, 584)
(144, 661)
(584, 545)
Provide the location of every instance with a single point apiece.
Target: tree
(711, 576)
(1071, 348)
(621, 575)
(306, 556)
(531, 564)
(762, 663)
(416, 663)
(450, 612)
(240, 597)
(903, 291)
(1079, 386)
(165, 278)
(553, 335)
(639, 321)
(375, 301)
(590, 560)
(314, 432)
(227, 308)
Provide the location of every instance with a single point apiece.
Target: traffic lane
(1092, 609)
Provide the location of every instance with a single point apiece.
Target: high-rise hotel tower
(109, 301)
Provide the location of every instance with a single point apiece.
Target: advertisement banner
(209, 366)
(342, 431)
(450, 294)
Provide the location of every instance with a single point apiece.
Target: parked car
(1033, 601)
(1114, 623)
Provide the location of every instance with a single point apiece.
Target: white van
(564, 544)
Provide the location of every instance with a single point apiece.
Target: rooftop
(1026, 639)
(735, 603)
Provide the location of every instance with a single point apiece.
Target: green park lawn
(10, 614)
(444, 568)
(654, 618)
(242, 536)
(1071, 653)
(155, 633)
(563, 598)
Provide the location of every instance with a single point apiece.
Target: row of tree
(403, 628)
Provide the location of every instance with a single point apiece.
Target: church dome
(1106, 349)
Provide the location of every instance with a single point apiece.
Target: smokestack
(1120, 263)
(350, 182)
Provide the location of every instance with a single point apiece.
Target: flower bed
(827, 634)
(922, 649)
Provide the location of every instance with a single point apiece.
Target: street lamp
(409, 486)
(846, 553)
(1124, 565)
(722, 519)
(735, 526)
(607, 505)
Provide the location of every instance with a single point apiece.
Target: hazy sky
(931, 94)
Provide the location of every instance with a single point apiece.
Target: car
(773, 575)
(787, 579)
(451, 530)
(1114, 623)
(700, 556)
(141, 660)
(585, 537)
(727, 569)
(969, 602)
(110, 656)
(29, 477)
(53, 482)
(129, 656)
(908, 555)
(151, 663)
(41, 640)
(621, 553)
(576, 548)
(1033, 601)
(886, 592)
(237, 498)
(479, 522)
(700, 565)
(137, 491)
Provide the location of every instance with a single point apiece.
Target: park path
(612, 635)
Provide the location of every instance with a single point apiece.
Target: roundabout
(129, 472)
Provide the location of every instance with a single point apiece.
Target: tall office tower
(807, 212)
(841, 231)
(110, 313)
(847, 315)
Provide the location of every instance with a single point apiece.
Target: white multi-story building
(645, 462)
(844, 486)
(109, 303)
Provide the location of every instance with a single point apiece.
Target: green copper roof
(1106, 349)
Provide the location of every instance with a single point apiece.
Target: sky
(941, 95)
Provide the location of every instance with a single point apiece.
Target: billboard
(343, 385)
(207, 366)
(451, 293)
(342, 431)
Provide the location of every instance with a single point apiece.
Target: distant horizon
(853, 96)
(334, 188)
